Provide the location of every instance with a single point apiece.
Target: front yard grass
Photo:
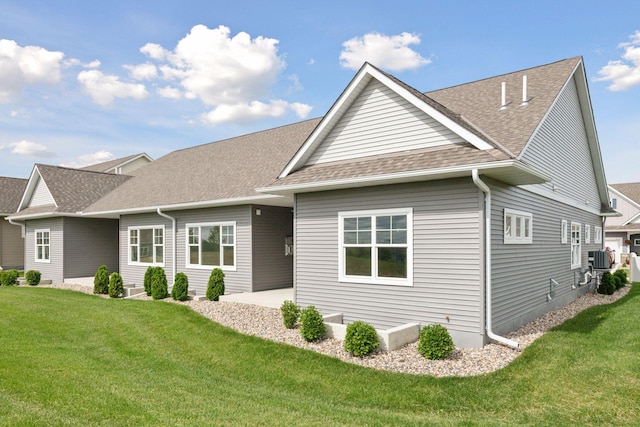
(68, 358)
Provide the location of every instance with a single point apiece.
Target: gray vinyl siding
(52, 270)
(447, 265)
(11, 245)
(560, 149)
(88, 244)
(272, 269)
(380, 122)
(41, 195)
(521, 273)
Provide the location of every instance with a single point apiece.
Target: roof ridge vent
(525, 99)
(503, 105)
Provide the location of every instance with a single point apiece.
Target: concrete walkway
(273, 298)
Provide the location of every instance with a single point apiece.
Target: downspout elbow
(487, 261)
(19, 224)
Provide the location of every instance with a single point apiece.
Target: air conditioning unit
(599, 260)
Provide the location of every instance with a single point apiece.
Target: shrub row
(609, 283)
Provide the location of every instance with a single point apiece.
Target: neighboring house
(122, 166)
(11, 238)
(472, 207)
(623, 232)
(196, 209)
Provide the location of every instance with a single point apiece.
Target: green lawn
(68, 358)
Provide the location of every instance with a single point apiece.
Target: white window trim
(35, 239)
(563, 230)
(636, 242)
(342, 277)
(597, 238)
(587, 233)
(518, 216)
(211, 267)
(153, 237)
(579, 228)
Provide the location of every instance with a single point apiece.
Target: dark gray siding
(88, 244)
(11, 245)
(53, 270)
(521, 273)
(447, 258)
(271, 268)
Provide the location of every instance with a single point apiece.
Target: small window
(587, 233)
(563, 232)
(43, 246)
(146, 245)
(576, 248)
(614, 203)
(211, 245)
(518, 227)
(636, 242)
(597, 238)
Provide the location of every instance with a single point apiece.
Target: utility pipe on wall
(487, 260)
(175, 234)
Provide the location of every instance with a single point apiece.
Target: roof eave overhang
(512, 172)
(43, 215)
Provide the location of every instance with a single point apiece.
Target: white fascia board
(623, 196)
(119, 165)
(353, 89)
(31, 186)
(43, 215)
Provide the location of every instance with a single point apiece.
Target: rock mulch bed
(267, 323)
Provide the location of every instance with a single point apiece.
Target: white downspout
(175, 235)
(17, 223)
(487, 260)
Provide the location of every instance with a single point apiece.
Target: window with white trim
(146, 245)
(576, 247)
(636, 242)
(211, 245)
(597, 234)
(43, 245)
(587, 233)
(376, 247)
(518, 227)
(563, 231)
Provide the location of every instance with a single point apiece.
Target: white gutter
(175, 234)
(17, 223)
(487, 260)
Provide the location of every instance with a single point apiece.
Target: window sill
(373, 281)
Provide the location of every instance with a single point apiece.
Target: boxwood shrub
(101, 280)
(290, 314)
(147, 279)
(622, 275)
(361, 338)
(116, 288)
(435, 342)
(607, 284)
(215, 287)
(9, 277)
(159, 287)
(180, 291)
(32, 277)
(312, 326)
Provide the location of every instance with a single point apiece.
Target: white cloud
(90, 159)
(104, 89)
(30, 149)
(255, 109)
(23, 66)
(170, 92)
(93, 64)
(389, 52)
(144, 71)
(623, 74)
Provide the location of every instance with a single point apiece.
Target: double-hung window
(576, 248)
(597, 238)
(43, 246)
(518, 227)
(146, 245)
(376, 247)
(211, 245)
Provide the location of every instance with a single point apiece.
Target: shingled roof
(224, 170)
(110, 165)
(629, 189)
(11, 190)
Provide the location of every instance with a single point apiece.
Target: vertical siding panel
(52, 270)
(88, 244)
(272, 269)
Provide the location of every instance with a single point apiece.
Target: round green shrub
(617, 283)
(9, 277)
(101, 280)
(607, 285)
(622, 275)
(215, 287)
(290, 314)
(159, 287)
(116, 288)
(33, 277)
(180, 291)
(435, 342)
(147, 280)
(361, 338)
(312, 326)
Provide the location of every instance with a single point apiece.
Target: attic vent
(525, 100)
(503, 105)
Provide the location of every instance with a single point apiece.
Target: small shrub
(361, 338)
(147, 280)
(290, 314)
(9, 277)
(622, 275)
(435, 342)
(617, 283)
(312, 326)
(116, 288)
(215, 287)
(101, 280)
(159, 287)
(33, 277)
(607, 285)
(180, 291)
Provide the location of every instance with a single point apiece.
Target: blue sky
(82, 82)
